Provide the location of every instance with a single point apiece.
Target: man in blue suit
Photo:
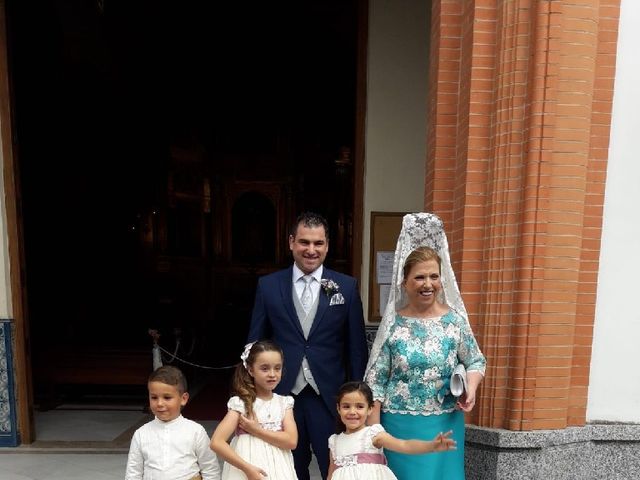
(315, 315)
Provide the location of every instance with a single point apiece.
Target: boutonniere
(329, 286)
(331, 289)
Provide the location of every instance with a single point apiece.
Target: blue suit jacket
(336, 347)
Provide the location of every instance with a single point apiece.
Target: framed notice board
(385, 228)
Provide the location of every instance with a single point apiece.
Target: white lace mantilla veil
(418, 230)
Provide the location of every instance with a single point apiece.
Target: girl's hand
(443, 442)
(249, 425)
(255, 473)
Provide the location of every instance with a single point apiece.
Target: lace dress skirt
(278, 463)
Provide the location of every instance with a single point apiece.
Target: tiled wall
(8, 434)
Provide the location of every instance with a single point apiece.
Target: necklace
(266, 408)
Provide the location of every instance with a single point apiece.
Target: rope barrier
(175, 357)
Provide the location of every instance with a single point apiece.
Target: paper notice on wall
(384, 267)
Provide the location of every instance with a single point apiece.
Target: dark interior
(163, 150)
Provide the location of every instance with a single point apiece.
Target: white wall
(614, 384)
(395, 148)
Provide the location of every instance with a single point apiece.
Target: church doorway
(163, 152)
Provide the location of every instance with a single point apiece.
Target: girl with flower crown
(262, 421)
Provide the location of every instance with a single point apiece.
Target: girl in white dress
(262, 421)
(357, 452)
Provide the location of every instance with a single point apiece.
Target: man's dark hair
(171, 376)
(310, 220)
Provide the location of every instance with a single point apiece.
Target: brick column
(519, 113)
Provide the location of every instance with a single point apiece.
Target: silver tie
(306, 299)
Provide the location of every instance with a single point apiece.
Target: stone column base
(595, 451)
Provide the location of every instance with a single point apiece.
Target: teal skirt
(429, 466)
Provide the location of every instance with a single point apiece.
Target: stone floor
(78, 444)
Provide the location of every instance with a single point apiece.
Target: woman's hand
(374, 415)
(467, 401)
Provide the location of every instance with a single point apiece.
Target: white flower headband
(245, 354)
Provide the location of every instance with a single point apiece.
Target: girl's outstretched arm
(441, 443)
(287, 439)
(220, 444)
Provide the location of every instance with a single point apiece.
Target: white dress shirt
(175, 450)
(299, 284)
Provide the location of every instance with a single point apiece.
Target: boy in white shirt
(170, 447)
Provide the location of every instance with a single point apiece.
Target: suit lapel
(286, 292)
(323, 303)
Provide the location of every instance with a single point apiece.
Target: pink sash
(378, 458)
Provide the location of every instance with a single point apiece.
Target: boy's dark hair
(310, 220)
(171, 376)
(349, 387)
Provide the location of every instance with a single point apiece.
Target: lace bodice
(345, 447)
(269, 413)
(412, 372)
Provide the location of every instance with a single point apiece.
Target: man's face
(309, 247)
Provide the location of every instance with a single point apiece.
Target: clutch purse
(458, 382)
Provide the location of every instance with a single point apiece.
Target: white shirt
(175, 450)
(299, 284)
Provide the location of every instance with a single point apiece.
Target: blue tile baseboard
(8, 433)
(593, 452)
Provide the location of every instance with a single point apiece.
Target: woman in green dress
(423, 336)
